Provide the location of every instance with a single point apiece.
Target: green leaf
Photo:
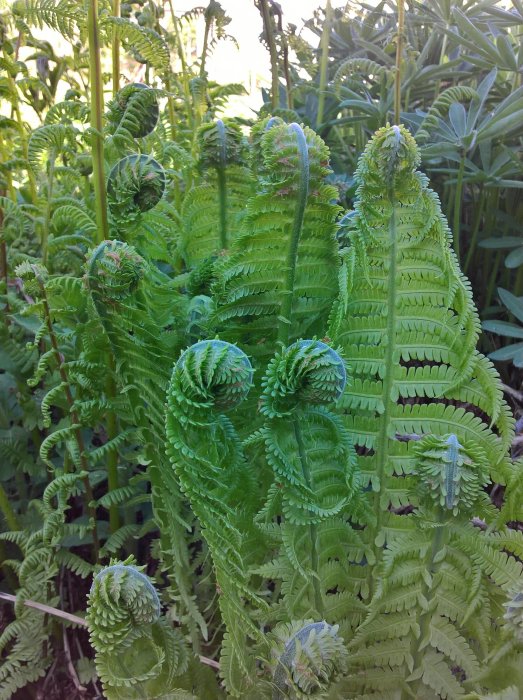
(514, 304)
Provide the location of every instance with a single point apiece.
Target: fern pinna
(427, 417)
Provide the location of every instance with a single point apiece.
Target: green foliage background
(352, 528)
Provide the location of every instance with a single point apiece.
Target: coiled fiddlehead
(212, 210)
(308, 372)
(221, 144)
(308, 655)
(137, 653)
(314, 479)
(136, 184)
(118, 271)
(306, 445)
(134, 109)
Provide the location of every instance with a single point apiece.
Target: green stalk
(388, 381)
(492, 279)
(475, 230)
(313, 528)
(297, 225)
(24, 142)
(324, 62)
(97, 108)
(457, 205)
(50, 182)
(116, 50)
(205, 48)
(10, 516)
(222, 183)
(273, 52)
(399, 52)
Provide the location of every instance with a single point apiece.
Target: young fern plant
(279, 281)
(136, 305)
(431, 428)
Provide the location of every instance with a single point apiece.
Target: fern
(279, 280)
(137, 653)
(135, 306)
(221, 198)
(211, 377)
(427, 417)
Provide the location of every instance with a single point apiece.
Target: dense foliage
(250, 447)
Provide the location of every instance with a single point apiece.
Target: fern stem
(313, 528)
(7, 511)
(285, 319)
(89, 497)
(112, 457)
(116, 50)
(438, 541)
(205, 48)
(399, 56)
(324, 62)
(273, 53)
(97, 106)
(4, 275)
(383, 439)
(222, 183)
(457, 205)
(45, 230)
(475, 231)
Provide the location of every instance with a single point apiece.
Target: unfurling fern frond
(408, 328)
(136, 305)
(133, 110)
(427, 416)
(307, 656)
(150, 46)
(54, 139)
(211, 377)
(314, 484)
(441, 105)
(212, 210)
(136, 184)
(308, 372)
(280, 278)
(137, 653)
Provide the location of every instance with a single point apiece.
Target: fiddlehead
(133, 110)
(213, 209)
(314, 480)
(307, 656)
(137, 653)
(211, 377)
(136, 184)
(449, 474)
(308, 372)
(137, 305)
